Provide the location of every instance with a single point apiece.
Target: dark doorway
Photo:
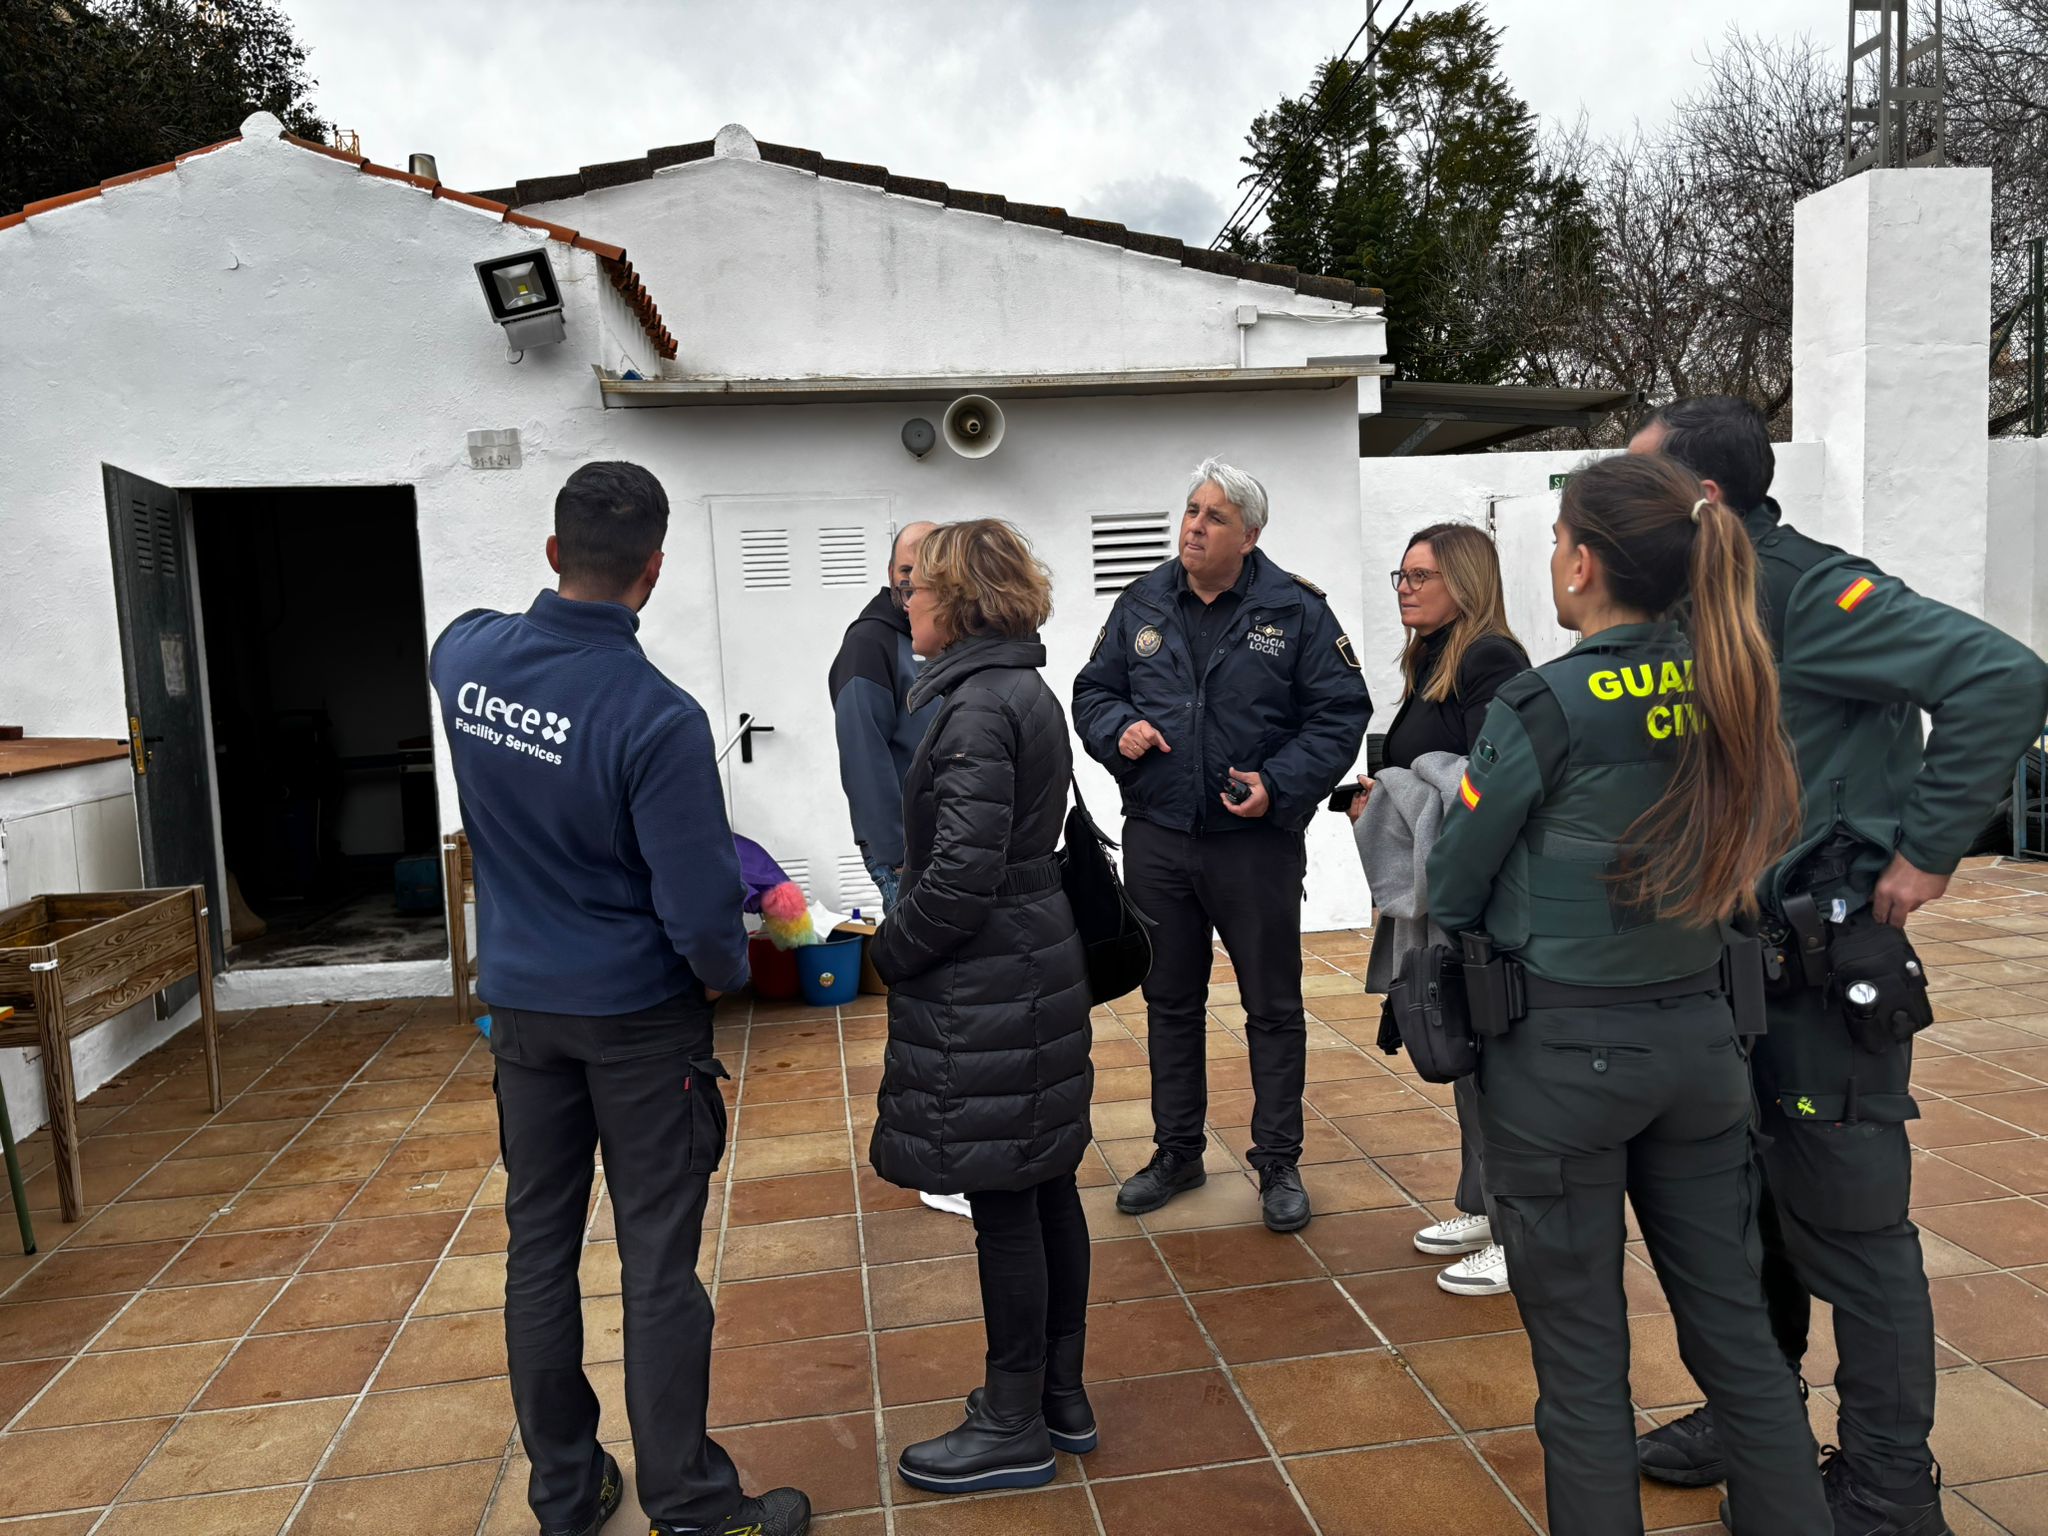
(316, 658)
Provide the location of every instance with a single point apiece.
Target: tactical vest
(1627, 704)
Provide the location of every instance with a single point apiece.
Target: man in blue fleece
(877, 729)
(608, 923)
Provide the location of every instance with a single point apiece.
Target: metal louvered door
(154, 590)
(791, 575)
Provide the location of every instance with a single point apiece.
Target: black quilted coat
(987, 1078)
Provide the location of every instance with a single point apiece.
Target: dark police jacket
(606, 880)
(1569, 757)
(878, 731)
(1280, 695)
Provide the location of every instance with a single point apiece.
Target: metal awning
(1417, 417)
(1319, 374)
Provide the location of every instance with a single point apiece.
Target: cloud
(1158, 205)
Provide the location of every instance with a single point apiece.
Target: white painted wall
(2016, 533)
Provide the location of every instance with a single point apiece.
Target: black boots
(1282, 1200)
(1002, 1444)
(611, 1487)
(1167, 1175)
(1069, 1421)
(1686, 1451)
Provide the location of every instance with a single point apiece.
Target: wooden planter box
(68, 963)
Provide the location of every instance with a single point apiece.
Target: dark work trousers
(1837, 1229)
(645, 1087)
(1246, 885)
(1471, 1198)
(1581, 1107)
(1031, 1246)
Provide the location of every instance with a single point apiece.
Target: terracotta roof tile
(611, 258)
(613, 173)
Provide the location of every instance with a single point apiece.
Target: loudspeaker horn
(973, 426)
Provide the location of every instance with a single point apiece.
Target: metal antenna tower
(1888, 111)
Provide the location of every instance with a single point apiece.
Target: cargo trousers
(1582, 1108)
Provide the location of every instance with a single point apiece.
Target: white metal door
(1521, 533)
(791, 575)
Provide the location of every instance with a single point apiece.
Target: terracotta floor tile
(786, 1381)
(453, 1119)
(797, 1117)
(1126, 1269)
(55, 1469)
(416, 1194)
(349, 1162)
(1937, 1181)
(426, 1427)
(1425, 1175)
(781, 1087)
(461, 1346)
(419, 1154)
(2030, 1376)
(333, 1298)
(794, 1197)
(876, 1193)
(1390, 1134)
(445, 1501)
(1144, 1338)
(390, 1240)
(832, 1460)
(21, 1380)
(134, 1384)
(259, 1513)
(1250, 1497)
(1375, 1095)
(1311, 1317)
(357, 1129)
(285, 1368)
(1352, 1242)
(199, 1176)
(924, 1291)
(1406, 1305)
(1949, 1123)
(791, 1248)
(33, 1330)
(599, 1273)
(604, 1328)
(1232, 1256)
(794, 1307)
(190, 1314)
(1338, 1401)
(921, 1365)
(2018, 1165)
(483, 1230)
(69, 1273)
(244, 1448)
(471, 1284)
(894, 1237)
(1483, 1383)
(212, 1260)
(1041, 1512)
(1228, 1200)
(1985, 1428)
(1657, 1377)
(1518, 1457)
(2006, 1232)
(1162, 1423)
(1991, 1316)
(1405, 1490)
(146, 1221)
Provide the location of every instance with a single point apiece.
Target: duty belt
(1536, 992)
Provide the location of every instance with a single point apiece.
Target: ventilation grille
(1125, 545)
(857, 888)
(843, 557)
(799, 871)
(764, 559)
(155, 537)
(143, 536)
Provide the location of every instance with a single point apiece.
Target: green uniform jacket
(1860, 655)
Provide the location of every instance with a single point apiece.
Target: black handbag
(1427, 1001)
(1115, 935)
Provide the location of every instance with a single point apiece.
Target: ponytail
(1732, 806)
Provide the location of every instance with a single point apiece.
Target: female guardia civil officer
(1620, 805)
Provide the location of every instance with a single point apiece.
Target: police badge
(1147, 643)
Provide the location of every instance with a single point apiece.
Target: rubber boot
(1002, 1444)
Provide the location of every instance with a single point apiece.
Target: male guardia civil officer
(608, 922)
(1860, 655)
(1226, 700)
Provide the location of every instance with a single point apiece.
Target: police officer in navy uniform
(1886, 821)
(1226, 700)
(1620, 803)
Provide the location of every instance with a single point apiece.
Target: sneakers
(1002, 1444)
(1167, 1175)
(1685, 1452)
(1863, 1509)
(953, 1205)
(1484, 1273)
(1282, 1200)
(1461, 1234)
(611, 1487)
(778, 1512)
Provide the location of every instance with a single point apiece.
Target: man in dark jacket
(608, 922)
(1860, 655)
(1226, 700)
(878, 731)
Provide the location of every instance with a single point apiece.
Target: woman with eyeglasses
(1460, 650)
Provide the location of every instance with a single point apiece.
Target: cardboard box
(871, 985)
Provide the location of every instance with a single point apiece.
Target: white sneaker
(1461, 1234)
(954, 1205)
(1484, 1273)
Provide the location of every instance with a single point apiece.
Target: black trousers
(1031, 1246)
(1246, 885)
(645, 1087)
(1582, 1107)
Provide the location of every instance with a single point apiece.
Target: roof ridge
(612, 258)
(617, 173)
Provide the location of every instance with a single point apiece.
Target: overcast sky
(1132, 110)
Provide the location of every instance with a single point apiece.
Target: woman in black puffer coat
(986, 1083)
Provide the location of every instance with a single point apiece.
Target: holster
(1742, 976)
(1877, 984)
(1493, 986)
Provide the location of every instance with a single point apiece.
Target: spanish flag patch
(1859, 589)
(1467, 793)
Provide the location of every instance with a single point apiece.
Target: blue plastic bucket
(829, 974)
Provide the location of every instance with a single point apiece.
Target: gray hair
(1238, 488)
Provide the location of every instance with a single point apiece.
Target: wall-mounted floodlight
(524, 298)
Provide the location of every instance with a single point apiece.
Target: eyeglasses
(905, 590)
(1414, 580)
